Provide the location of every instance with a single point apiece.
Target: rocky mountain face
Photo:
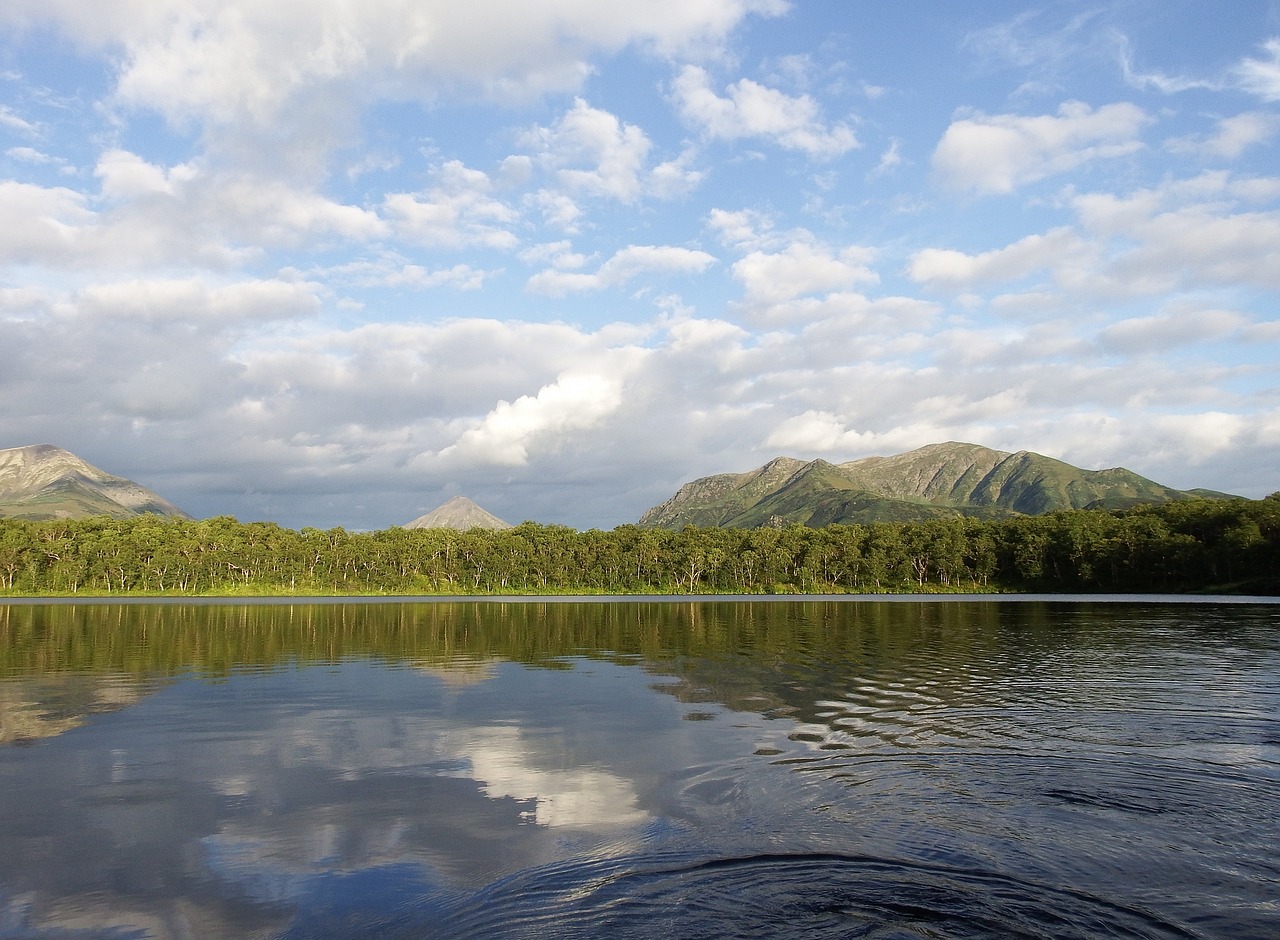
(458, 513)
(938, 480)
(41, 481)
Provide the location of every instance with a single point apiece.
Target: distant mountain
(41, 481)
(936, 481)
(458, 513)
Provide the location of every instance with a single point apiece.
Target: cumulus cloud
(751, 110)
(145, 214)
(235, 60)
(40, 223)
(745, 229)
(625, 265)
(1186, 234)
(591, 151)
(772, 278)
(1183, 234)
(998, 153)
(815, 432)
(942, 267)
(574, 402)
(126, 175)
(459, 210)
(590, 154)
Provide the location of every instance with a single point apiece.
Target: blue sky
(328, 263)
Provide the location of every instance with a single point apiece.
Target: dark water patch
(783, 896)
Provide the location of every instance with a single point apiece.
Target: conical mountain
(41, 481)
(939, 480)
(458, 513)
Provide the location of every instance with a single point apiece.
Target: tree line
(1186, 545)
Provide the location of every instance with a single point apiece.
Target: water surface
(683, 769)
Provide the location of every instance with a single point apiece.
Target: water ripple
(785, 896)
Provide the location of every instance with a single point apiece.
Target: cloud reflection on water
(212, 803)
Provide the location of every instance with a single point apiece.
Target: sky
(330, 263)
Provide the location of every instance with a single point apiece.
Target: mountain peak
(41, 481)
(458, 513)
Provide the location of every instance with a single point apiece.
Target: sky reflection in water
(703, 769)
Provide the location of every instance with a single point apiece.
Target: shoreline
(370, 599)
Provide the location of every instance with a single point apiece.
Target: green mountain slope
(939, 480)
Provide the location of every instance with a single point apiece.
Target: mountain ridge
(42, 481)
(937, 480)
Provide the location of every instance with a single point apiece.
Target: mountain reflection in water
(692, 769)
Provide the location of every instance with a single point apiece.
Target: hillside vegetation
(1184, 545)
(940, 481)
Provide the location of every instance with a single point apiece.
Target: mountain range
(935, 481)
(41, 481)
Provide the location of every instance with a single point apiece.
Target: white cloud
(591, 151)
(1261, 77)
(241, 62)
(710, 337)
(751, 110)
(15, 122)
(772, 278)
(36, 158)
(150, 215)
(745, 229)
(559, 254)
(39, 224)
(574, 402)
(891, 158)
(673, 178)
(625, 265)
(816, 432)
(999, 153)
(1158, 334)
(1157, 81)
(193, 299)
(458, 211)
(1207, 231)
(557, 209)
(939, 267)
(1234, 135)
(394, 271)
(1183, 234)
(126, 175)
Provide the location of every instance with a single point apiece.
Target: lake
(641, 768)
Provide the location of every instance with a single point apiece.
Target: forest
(1193, 545)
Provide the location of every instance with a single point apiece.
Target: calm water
(785, 769)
